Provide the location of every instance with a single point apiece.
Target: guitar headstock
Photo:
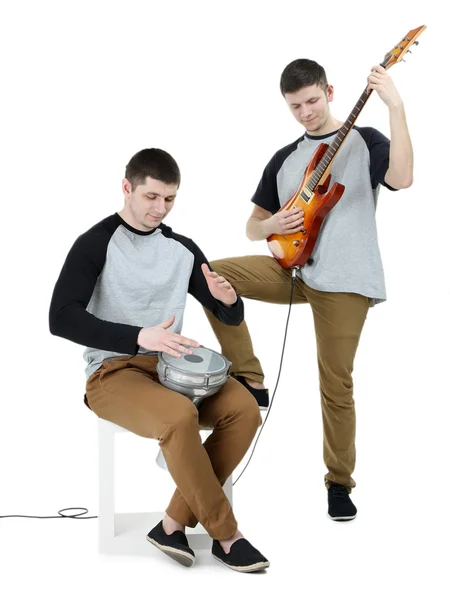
(396, 54)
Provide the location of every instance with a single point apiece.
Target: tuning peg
(416, 43)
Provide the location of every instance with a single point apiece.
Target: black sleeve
(379, 147)
(229, 315)
(68, 316)
(266, 195)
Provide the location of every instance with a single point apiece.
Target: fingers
(212, 274)
(378, 69)
(180, 339)
(294, 229)
(168, 350)
(374, 80)
(207, 272)
(376, 76)
(177, 345)
(295, 211)
(293, 219)
(226, 285)
(293, 223)
(290, 221)
(222, 283)
(175, 349)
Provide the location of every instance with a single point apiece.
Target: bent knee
(186, 416)
(249, 409)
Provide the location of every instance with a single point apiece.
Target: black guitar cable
(293, 280)
(60, 515)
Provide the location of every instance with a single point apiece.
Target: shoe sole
(342, 518)
(184, 558)
(248, 569)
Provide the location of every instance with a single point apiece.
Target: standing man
(344, 275)
(122, 293)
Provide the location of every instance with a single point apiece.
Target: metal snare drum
(196, 375)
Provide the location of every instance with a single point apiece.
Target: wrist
(227, 304)
(265, 229)
(396, 107)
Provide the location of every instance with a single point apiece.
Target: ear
(330, 93)
(126, 188)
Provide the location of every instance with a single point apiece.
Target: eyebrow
(309, 100)
(159, 195)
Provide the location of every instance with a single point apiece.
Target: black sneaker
(174, 545)
(242, 556)
(261, 396)
(340, 507)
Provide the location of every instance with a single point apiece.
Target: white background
(84, 86)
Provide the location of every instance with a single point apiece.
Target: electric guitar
(313, 196)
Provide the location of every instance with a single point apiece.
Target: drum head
(202, 361)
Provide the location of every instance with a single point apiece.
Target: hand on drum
(159, 339)
(219, 287)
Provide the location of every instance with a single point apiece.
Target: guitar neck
(333, 149)
(343, 132)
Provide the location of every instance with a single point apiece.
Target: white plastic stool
(126, 532)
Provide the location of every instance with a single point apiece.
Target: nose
(305, 113)
(160, 207)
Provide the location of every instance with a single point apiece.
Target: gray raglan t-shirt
(346, 256)
(117, 280)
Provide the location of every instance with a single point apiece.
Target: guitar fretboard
(342, 133)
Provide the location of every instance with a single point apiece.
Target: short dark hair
(154, 163)
(301, 73)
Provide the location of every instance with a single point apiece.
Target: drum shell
(193, 385)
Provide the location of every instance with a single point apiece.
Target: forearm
(75, 323)
(257, 229)
(229, 314)
(400, 172)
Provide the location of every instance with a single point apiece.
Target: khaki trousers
(127, 392)
(338, 322)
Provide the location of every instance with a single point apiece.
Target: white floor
(395, 549)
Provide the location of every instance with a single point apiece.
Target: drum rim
(180, 369)
(192, 386)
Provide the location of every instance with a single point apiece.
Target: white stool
(126, 532)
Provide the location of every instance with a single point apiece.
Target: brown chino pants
(126, 391)
(338, 322)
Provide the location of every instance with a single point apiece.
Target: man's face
(310, 106)
(149, 203)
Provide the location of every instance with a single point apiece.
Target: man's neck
(330, 125)
(128, 218)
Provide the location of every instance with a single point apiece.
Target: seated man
(122, 292)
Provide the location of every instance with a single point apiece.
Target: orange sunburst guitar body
(294, 249)
(313, 196)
